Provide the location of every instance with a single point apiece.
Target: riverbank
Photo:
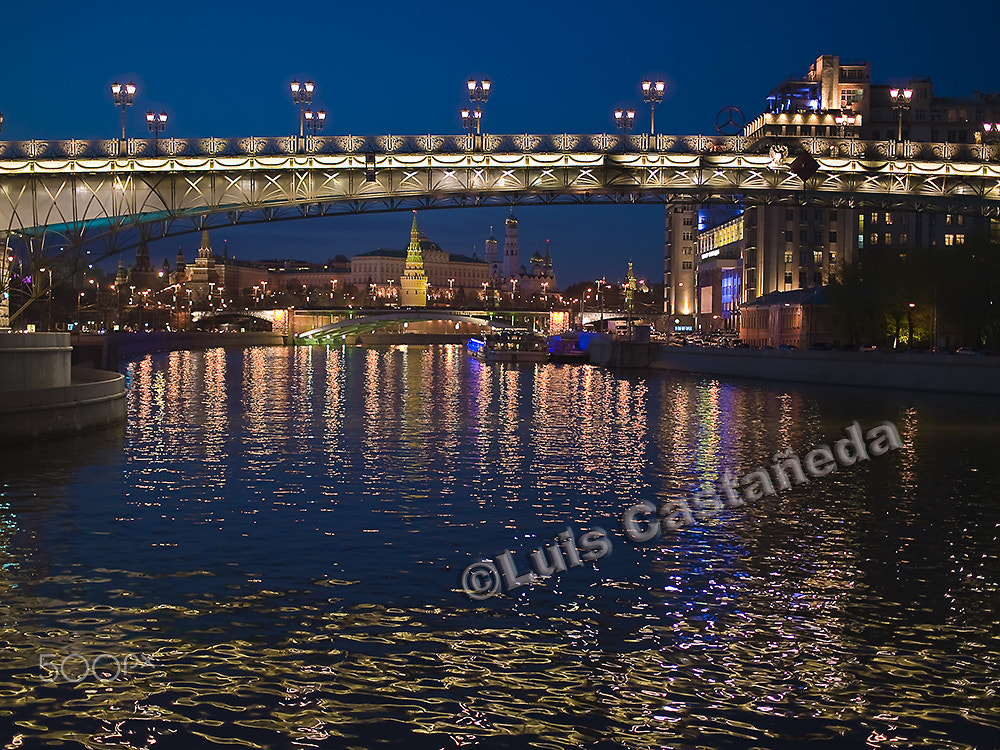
(106, 351)
(942, 373)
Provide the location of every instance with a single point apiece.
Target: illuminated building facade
(679, 272)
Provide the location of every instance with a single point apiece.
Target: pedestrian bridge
(118, 192)
(375, 322)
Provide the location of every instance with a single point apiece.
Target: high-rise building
(679, 272)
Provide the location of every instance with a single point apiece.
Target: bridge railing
(605, 143)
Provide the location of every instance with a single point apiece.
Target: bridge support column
(4, 283)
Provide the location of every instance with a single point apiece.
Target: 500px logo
(77, 667)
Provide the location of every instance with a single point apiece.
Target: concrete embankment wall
(34, 360)
(92, 399)
(106, 351)
(924, 372)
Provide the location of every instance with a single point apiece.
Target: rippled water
(272, 547)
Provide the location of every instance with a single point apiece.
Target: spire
(414, 232)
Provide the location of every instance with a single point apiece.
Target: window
(803, 257)
(804, 214)
(833, 236)
(687, 251)
(903, 237)
(947, 219)
(789, 235)
(888, 218)
(818, 235)
(803, 236)
(818, 214)
(803, 276)
(688, 236)
(888, 239)
(688, 221)
(686, 265)
(817, 256)
(952, 136)
(949, 239)
(874, 238)
(818, 278)
(874, 218)
(789, 214)
(959, 219)
(833, 215)
(788, 256)
(833, 257)
(920, 114)
(788, 278)
(959, 239)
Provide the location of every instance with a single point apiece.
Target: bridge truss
(76, 192)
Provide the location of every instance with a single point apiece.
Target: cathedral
(507, 273)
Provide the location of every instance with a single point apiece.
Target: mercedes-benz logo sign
(730, 121)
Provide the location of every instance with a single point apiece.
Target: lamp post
(1, 120)
(471, 118)
(624, 119)
(652, 94)
(479, 91)
(302, 94)
(845, 121)
(315, 120)
(123, 96)
(901, 99)
(48, 326)
(909, 325)
(156, 125)
(990, 134)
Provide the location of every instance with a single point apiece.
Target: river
(270, 553)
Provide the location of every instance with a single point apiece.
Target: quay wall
(944, 373)
(108, 350)
(92, 399)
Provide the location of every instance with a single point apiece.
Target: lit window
(959, 219)
(788, 256)
(959, 239)
(817, 256)
(949, 239)
(888, 218)
(888, 239)
(874, 238)
(686, 265)
(903, 237)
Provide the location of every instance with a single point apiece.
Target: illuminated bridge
(67, 193)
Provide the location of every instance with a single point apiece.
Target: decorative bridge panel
(89, 189)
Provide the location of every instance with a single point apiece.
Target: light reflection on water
(281, 532)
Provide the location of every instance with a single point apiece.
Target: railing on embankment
(944, 373)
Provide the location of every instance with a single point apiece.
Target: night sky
(223, 69)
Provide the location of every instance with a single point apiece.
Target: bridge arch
(76, 192)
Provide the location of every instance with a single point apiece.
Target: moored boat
(509, 345)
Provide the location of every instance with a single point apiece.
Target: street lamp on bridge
(479, 91)
(315, 120)
(845, 120)
(123, 96)
(901, 100)
(990, 134)
(302, 94)
(156, 125)
(652, 94)
(624, 119)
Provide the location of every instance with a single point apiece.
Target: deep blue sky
(393, 67)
